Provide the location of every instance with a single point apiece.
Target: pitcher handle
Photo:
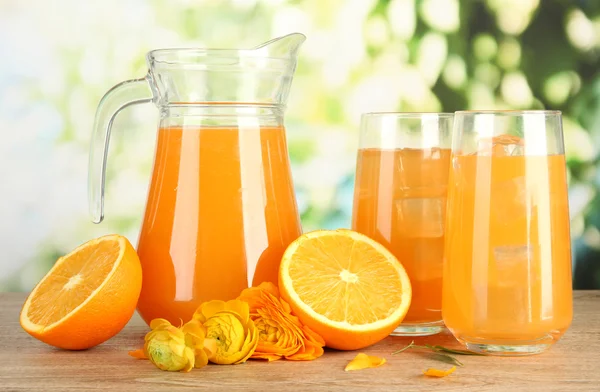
(117, 98)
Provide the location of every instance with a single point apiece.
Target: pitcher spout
(260, 75)
(285, 47)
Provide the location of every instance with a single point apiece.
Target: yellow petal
(208, 309)
(201, 359)
(285, 306)
(364, 361)
(239, 307)
(191, 359)
(159, 323)
(150, 335)
(176, 335)
(194, 328)
(210, 347)
(161, 355)
(227, 329)
(177, 348)
(139, 354)
(439, 373)
(308, 352)
(250, 343)
(158, 335)
(259, 297)
(268, 357)
(269, 288)
(313, 336)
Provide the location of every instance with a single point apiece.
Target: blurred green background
(58, 59)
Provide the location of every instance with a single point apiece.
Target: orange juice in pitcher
(221, 228)
(221, 208)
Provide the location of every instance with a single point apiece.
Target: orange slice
(346, 287)
(87, 297)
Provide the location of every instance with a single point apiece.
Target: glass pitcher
(221, 208)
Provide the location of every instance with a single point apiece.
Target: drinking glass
(507, 271)
(400, 201)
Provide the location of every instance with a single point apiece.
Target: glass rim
(190, 56)
(510, 112)
(408, 114)
(181, 55)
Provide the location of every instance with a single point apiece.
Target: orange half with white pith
(345, 286)
(87, 297)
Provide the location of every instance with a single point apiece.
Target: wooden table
(28, 365)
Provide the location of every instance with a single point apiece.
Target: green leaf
(445, 358)
(405, 348)
(439, 353)
(439, 348)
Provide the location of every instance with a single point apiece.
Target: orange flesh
(72, 283)
(345, 280)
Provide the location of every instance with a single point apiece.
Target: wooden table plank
(29, 365)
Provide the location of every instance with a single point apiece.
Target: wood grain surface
(28, 365)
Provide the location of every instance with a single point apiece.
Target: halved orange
(87, 297)
(345, 286)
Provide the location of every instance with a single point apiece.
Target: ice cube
(515, 149)
(502, 310)
(512, 255)
(502, 145)
(516, 264)
(363, 193)
(511, 269)
(510, 200)
(505, 310)
(421, 217)
(427, 259)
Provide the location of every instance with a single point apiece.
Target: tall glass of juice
(400, 201)
(507, 272)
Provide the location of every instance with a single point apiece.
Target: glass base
(511, 348)
(421, 329)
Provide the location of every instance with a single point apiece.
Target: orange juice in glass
(400, 201)
(221, 208)
(507, 275)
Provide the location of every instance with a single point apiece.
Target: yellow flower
(176, 349)
(230, 325)
(195, 338)
(281, 334)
